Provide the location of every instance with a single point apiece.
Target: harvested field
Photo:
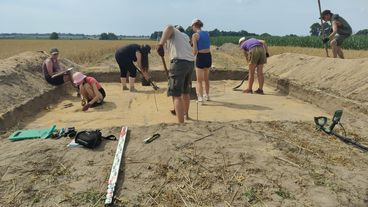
(238, 163)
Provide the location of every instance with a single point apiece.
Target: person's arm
(98, 95)
(139, 63)
(49, 66)
(246, 55)
(334, 29)
(138, 55)
(166, 34)
(195, 39)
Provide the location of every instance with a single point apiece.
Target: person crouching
(91, 91)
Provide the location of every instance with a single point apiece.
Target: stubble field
(99, 52)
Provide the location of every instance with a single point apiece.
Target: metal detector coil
(321, 123)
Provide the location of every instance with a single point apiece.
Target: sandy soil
(140, 108)
(238, 163)
(345, 78)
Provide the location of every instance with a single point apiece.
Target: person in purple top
(256, 53)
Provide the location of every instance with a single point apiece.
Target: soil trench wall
(24, 91)
(160, 76)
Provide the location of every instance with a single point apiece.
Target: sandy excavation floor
(124, 108)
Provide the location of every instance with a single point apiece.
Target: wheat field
(79, 51)
(98, 52)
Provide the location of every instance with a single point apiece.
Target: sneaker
(206, 97)
(200, 100)
(248, 91)
(133, 90)
(259, 91)
(125, 88)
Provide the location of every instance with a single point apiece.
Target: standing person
(125, 57)
(340, 31)
(201, 48)
(256, 53)
(91, 91)
(51, 66)
(181, 68)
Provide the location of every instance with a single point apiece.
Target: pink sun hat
(78, 77)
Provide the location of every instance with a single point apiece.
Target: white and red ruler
(116, 166)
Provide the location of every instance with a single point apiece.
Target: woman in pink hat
(91, 91)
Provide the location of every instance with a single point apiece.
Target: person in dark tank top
(51, 67)
(341, 30)
(201, 48)
(125, 57)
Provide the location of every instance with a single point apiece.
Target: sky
(143, 17)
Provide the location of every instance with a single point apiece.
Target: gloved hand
(267, 54)
(86, 107)
(83, 102)
(325, 40)
(160, 50)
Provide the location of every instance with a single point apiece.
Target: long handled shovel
(322, 27)
(165, 67)
(154, 86)
(238, 86)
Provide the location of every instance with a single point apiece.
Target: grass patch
(283, 193)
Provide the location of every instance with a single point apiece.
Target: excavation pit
(149, 107)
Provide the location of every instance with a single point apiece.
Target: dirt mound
(235, 163)
(344, 78)
(21, 79)
(228, 47)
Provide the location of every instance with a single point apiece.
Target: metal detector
(321, 124)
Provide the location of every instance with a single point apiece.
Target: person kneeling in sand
(51, 67)
(91, 91)
(256, 53)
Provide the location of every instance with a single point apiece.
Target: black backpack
(91, 139)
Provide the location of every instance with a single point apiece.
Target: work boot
(173, 112)
(125, 88)
(259, 91)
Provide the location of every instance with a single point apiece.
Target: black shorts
(102, 91)
(204, 60)
(57, 81)
(125, 67)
